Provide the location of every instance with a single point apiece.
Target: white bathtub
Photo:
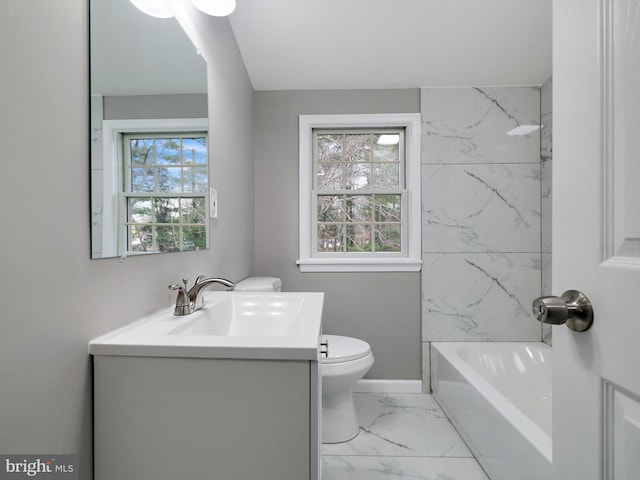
(498, 396)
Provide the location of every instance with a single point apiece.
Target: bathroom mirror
(149, 162)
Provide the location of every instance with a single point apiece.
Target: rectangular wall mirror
(149, 134)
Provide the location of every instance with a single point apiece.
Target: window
(166, 180)
(359, 193)
(155, 186)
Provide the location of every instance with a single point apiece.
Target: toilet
(259, 284)
(346, 362)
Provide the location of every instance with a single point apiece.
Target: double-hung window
(359, 193)
(164, 200)
(151, 186)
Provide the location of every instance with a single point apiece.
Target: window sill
(359, 265)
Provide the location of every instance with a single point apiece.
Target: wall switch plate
(213, 203)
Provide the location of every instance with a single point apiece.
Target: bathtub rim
(523, 424)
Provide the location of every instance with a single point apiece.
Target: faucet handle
(183, 304)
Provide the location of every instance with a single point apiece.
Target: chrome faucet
(195, 293)
(189, 301)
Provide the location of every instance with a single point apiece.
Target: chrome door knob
(572, 307)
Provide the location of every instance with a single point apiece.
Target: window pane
(140, 238)
(143, 180)
(139, 210)
(194, 238)
(166, 210)
(168, 238)
(170, 179)
(141, 151)
(357, 147)
(357, 175)
(330, 238)
(350, 165)
(168, 151)
(193, 210)
(386, 148)
(174, 165)
(195, 179)
(194, 150)
(330, 208)
(388, 238)
(329, 148)
(386, 175)
(388, 208)
(359, 208)
(358, 238)
(330, 176)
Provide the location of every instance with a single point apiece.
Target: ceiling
(365, 44)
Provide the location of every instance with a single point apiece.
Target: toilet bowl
(347, 361)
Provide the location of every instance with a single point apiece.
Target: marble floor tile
(400, 468)
(401, 425)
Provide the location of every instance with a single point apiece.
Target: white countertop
(162, 334)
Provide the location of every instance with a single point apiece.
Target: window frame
(114, 208)
(410, 257)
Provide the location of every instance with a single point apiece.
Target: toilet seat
(345, 349)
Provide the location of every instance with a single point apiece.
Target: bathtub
(498, 396)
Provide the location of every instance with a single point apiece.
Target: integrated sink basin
(267, 325)
(246, 315)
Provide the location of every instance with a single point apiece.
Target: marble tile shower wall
(546, 157)
(97, 176)
(481, 211)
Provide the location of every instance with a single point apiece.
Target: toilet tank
(259, 284)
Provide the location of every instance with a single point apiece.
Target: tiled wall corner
(426, 367)
(97, 176)
(546, 158)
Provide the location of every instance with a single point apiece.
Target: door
(596, 236)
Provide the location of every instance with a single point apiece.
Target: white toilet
(259, 284)
(347, 361)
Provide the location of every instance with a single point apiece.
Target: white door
(596, 236)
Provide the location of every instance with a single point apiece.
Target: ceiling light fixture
(217, 8)
(159, 8)
(155, 8)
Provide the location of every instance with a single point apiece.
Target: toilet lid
(343, 349)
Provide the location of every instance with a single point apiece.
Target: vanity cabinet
(166, 418)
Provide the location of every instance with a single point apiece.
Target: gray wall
(381, 308)
(53, 298)
(181, 105)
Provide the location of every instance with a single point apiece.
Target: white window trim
(111, 132)
(412, 261)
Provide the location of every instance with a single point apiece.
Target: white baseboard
(388, 386)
